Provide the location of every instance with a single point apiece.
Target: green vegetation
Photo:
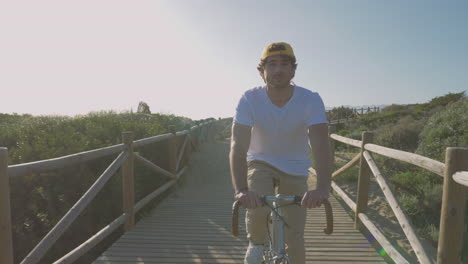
(38, 201)
(427, 129)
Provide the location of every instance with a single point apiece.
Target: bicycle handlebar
(297, 199)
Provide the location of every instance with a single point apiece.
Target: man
(270, 134)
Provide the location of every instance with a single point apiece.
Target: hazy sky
(196, 57)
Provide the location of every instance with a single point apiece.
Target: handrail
(40, 250)
(403, 220)
(426, 163)
(60, 162)
(151, 140)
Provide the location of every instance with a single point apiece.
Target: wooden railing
(336, 116)
(125, 160)
(455, 174)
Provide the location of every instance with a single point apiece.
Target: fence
(342, 114)
(125, 160)
(455, 174)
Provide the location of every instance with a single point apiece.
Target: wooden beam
(331, 130)
(128, 178)
(403, 219)
(348, 141)
(363, 181)
(172, 151)
(158, 191)
(41, 249)
(82, 249)
(383, 241)
(434, 166)
(181, 152)
(453, 208)
(6, 242)
(461, 177)
(347, 166)
(153, 166)
(140, 204)
(344, 196)
(57, 163)
(145, 141)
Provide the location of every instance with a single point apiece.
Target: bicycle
(275, 251)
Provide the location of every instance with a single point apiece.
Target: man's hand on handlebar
(314, 198)
(248, 199)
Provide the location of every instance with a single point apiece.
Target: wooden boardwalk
(193, 225)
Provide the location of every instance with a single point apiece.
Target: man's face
(278, 71)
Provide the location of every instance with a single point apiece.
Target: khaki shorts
(264, 179)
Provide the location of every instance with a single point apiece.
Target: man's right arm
(240, 142)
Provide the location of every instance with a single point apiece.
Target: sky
(195, 58)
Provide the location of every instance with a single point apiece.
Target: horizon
(131, 110)
(195, 59)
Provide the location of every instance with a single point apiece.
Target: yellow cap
(278, 48)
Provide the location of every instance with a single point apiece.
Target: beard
(278, 81)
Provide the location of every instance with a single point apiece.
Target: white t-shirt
(279, 134)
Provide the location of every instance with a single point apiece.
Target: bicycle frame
(276, 252)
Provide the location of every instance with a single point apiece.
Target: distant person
(271, 132)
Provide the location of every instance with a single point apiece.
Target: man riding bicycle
(272, 129)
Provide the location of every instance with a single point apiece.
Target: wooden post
(6, 242)
(188, 149)
(453, 208)
(172, 151)
(363, 182)
(128, 188)
(196, 136)
(202, 134)
(331, 130)
(213, 131)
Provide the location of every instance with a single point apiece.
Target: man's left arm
(319, 142)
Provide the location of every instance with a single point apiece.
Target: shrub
(447, 128)
(403, 135)
(38, 201)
